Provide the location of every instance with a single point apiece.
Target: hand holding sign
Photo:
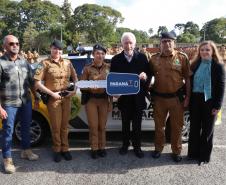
(116, 83)
(143, 76)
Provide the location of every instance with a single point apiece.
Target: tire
(38, 131)
(167, 130)
(185, 129)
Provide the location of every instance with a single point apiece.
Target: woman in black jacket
(208, 82)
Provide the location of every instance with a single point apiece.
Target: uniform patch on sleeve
(39, 69)
(177, 62)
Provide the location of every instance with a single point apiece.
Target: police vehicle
(40, 126)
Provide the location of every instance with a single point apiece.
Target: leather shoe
(94, 154)
(201, 163)
(190, 157)
(102, 153)
(138, 153)
(123, 150)
(57, 157)
(67, 155)
(176, 157)
(156, 154)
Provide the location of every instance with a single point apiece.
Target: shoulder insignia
(155, 54)
(182, 53)
(39, 68)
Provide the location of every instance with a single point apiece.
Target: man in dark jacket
(131, 106)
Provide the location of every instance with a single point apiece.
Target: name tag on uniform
(116, 84)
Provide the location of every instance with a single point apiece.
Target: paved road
(115, 169)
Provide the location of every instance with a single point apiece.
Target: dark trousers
(201, 129)
(135, 116)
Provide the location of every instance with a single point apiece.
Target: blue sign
(122, 84)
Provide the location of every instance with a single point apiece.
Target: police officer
(98, 104)
(170, 68)
(56, 73)
(30, 57)
(144, 51)
(35, 56)
(223, 53)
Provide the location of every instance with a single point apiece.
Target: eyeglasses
(14, 43)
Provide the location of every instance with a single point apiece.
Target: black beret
(57, 44)
(99, 47)
(168, 35)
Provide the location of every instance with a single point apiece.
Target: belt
(165, 95)
(178, 93)
(98, 95)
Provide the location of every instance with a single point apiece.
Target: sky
(145, 14)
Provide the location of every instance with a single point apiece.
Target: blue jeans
(24, 114)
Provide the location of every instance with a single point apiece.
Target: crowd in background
(31, 57)
(191, 52)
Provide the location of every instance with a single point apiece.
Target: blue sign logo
(123, 84)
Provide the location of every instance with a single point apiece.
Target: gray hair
(7, 37)
(128, 35)
(4, 40)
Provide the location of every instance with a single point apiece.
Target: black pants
(201, 129)
(135, 116)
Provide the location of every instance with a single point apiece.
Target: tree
(191, 28)
(187, 38)
(18, 15)
(98, 22)
(66, 10)
(161, 29)
(215, 30)
(29, 37)
(150, 31)
(9, 17)
(42, 13)
(141, 36)
(189, 32)
(179, 26)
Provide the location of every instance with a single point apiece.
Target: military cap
(168, 35)
(99, 47)
(57, 44)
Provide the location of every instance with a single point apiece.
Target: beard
(14, 51)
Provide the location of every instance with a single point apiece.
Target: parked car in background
(40, 126)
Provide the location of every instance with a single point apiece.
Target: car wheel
(167, 131)
(186, 127)
(38, 130)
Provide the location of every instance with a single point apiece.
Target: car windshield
(79, 63)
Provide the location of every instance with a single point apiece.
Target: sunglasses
(14, 43)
